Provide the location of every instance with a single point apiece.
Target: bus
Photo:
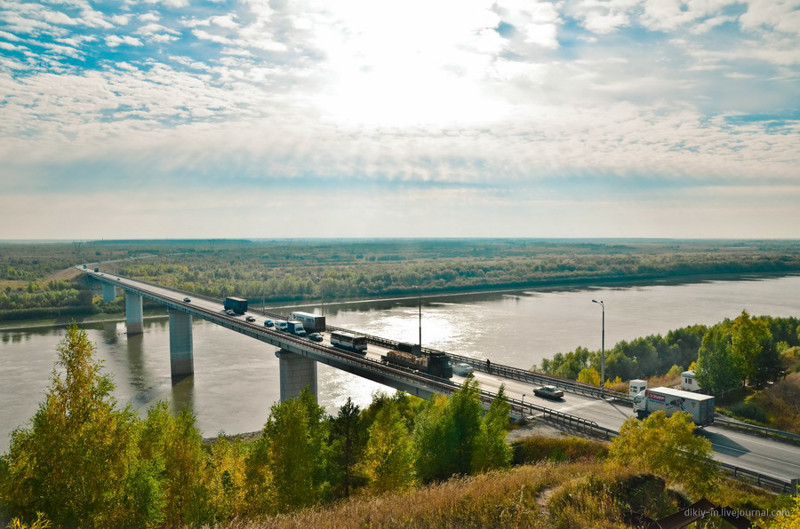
(351, 342)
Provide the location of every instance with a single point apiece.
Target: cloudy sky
(458, 118)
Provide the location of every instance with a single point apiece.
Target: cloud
(525, 104)
(113, 41)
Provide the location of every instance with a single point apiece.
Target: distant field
(304, 269)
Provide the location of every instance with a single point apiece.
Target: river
(236, 378)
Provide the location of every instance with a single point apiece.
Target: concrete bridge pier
(109, 292)
(296, 372)
(134, 319)
(181, 353)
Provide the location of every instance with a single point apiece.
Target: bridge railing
(511, 372)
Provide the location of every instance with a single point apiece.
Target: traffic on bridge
(423, 372)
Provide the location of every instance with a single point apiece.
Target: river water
(236, 378)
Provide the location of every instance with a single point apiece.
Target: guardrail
(758, 479)
(571, 422)
(758, 430)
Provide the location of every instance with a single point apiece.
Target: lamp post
(602, 348)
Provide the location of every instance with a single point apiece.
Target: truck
(311, 322)
(668, 400)
(237, 305)
(435, 363)
(296, 327)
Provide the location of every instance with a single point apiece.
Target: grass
(570, 495)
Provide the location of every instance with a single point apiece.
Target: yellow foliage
(41, 522)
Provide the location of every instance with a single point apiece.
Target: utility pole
(420, 323)
(602, 348)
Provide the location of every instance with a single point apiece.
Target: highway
(750, 452)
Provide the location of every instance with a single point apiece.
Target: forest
(36, 281)
(83, 461)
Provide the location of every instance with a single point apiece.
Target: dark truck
(237, 305)
(410, 356)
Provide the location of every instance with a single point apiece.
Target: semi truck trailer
(668, 400)
(237, 305)
(311, 322)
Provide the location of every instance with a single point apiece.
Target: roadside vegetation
(401, 462)
(752, 365)
(36, 280)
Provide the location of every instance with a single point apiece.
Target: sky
(445, 118)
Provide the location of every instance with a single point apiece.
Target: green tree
(348, 439)
(227, 475)
(77, 459)
(286, 471)
(388, 460)
(445, 433)
(433, 441)
(186, 463)
(491, 450)
(751, 340)
(464, 417)
(668, 448)
(717, 368)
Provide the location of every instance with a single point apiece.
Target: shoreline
(541, 286)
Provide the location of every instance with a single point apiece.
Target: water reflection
(182, 393)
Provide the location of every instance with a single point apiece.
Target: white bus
(351, 342)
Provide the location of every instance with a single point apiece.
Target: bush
(749, 410)
(537, 449)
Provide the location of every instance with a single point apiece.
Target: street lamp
(602, 348)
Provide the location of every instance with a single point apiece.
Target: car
(269, 323)
(187, 300)
(549, 392)
(229, 312)
(462, 369)
(250, 319)
(315, 337)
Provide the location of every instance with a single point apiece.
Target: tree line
(85, 462)
(280, 271)
(728, 355)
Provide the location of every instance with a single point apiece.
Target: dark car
(229, 312)
(549, 392)
(187, 300)
(315, 337)
(269, 323)
(250, 319)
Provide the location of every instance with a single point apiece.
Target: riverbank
(462, 293)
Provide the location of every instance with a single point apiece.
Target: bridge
(766, 460)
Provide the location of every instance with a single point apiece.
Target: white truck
(296, 327)
(668, 400)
